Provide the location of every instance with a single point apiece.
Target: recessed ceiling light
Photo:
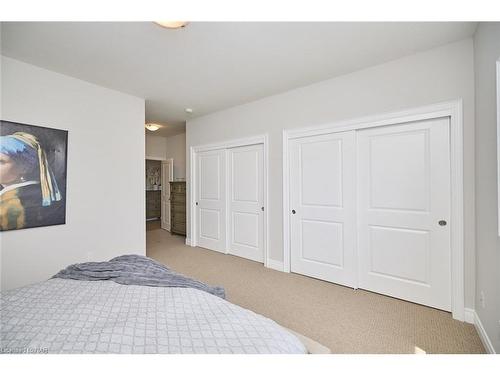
(153, 127)
(171, 24)
(189, 110)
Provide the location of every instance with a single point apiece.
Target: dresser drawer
(178, 206)
(176, 198)
(178, 216)
(178, 188)
(178, 228)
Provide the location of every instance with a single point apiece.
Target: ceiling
(209, 66)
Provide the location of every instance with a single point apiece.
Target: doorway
(158, 174)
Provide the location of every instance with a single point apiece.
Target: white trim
(483, 335)
(286, 204)
(452, 109)
(188, 241)
(171, 167)
(226, 203)
(443, 109)
(457, 211)
(254, 140)
(170, 162)
(155, 158)
(274, 265)
(192, 197)
(266, 200)
(498, 144)
(469, 316)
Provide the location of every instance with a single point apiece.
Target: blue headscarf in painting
(25, 149)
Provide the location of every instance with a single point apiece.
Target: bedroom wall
(176, 149)
(486, 53)
(437, 75)
(156, 147)
(105, 214)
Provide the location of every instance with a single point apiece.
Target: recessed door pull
(293, 212)
(442, 222)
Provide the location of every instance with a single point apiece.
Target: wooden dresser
(153, 204)
(178, 207)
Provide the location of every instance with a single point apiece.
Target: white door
(322, 207)
(403, 211)
(211, 200)
(246, 202)
(167, 175)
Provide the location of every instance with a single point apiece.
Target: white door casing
(167, 175)
(211, 200)
(246, 201)
(404, 211)
(322, 207)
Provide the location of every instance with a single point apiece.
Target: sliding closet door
(246, 202)
(211, 200)
(404, 209)
(322, 207)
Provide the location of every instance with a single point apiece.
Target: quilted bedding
(74, 316)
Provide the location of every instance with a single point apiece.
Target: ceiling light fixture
(189, 110)
(153, 127)
(171, 24)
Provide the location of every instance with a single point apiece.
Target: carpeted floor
(153, 225)
(343, 319)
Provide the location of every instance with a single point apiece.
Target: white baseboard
(469, 316)
(481, 332)
(188, 241)
(275, 265)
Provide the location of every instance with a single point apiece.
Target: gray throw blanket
(135, 270)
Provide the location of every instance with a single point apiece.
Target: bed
(102, 316)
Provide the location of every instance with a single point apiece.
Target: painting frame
(54, 145)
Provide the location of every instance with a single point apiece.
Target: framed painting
(33, 166)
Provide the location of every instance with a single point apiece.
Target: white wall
(105, 213)
(437, 75)
(486, 53)
(156, 147)
(176, 149)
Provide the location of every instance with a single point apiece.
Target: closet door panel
(404, 210)
(246, 201)
(322, 204)
(211, 196)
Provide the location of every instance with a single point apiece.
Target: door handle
(197, 203)
(293, 212)
(442, 222)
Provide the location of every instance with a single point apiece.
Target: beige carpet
(343, 319)
(153, 225)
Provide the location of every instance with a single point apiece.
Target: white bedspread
(70, 316)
